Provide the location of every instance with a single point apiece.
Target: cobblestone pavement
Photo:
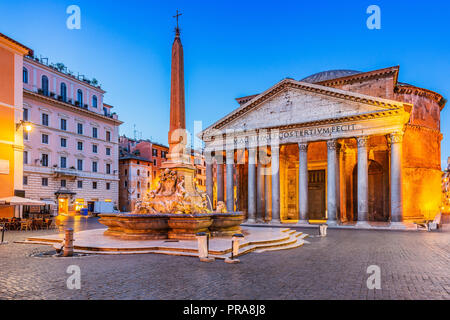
(413, 266)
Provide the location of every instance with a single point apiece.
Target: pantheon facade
(343, 146)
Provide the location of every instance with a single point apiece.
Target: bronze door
(316, 194)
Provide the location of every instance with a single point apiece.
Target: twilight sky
(232, 48)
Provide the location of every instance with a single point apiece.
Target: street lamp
(27, 126)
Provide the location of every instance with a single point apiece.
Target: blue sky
(232, 48)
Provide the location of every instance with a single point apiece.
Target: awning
(19, 201)
(49, 202)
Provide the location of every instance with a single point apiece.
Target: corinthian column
(219, 179)
(331, 181)
(363, 180)
(396, 140)
(230, 184)
(275, 184)
(209, 181)
(303, 182)
(260, 207)
(251, 184)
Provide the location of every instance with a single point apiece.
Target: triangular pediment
(293, 102)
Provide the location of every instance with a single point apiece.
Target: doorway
(63, 206)
(316, 195)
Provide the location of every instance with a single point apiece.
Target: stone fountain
(176, 209)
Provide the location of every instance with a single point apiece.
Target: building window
(80, 164)
(94, 166)
(126, 171)
(138, 195)
(45, 138)
(25, 114)
(80, 145)
(139, 184)
(155, 152)
(94, 148)
(25, 75)
(126, 183)
(138, 172)
(148, 185)
(44, 83)
(108, 151)
(79, 128)
(94, 101)
(164, 154)
(44, 160)
(108, 136)
(108, 168)
(148, 173)
(25, 135)
(154, 162)
(63, 162)
(63, 183)
(108, 186)
(25, 157)
(45, 119)
(63, 91)
(80, 97)
(80, 184)
(44, 182)
(63, 124)
(63, 142)
(94, 132)
(25, 180)
(94, 185)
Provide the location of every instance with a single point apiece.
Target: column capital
(362, 141)
(303, 146)
(396, 137)
(331, 144)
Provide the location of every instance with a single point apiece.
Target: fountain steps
(256, 240)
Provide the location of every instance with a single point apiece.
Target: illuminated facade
(344, 146)
(70, 158)
(11, 125)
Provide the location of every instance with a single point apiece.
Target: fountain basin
(136, 226)
(128, 226)
(186, 226)
(226, 224)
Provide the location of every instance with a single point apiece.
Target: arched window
(63, 91)
(44, 85)
(25, 75)
(94, 101)
(80, 97)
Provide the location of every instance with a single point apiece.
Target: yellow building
(11, 128)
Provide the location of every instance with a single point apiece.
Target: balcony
(65, 172)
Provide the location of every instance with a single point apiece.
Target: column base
(251, 220)
(303, 222)
(332, 222)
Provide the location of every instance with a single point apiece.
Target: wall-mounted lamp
(27, 126)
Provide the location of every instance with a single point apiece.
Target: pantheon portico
(303, 151)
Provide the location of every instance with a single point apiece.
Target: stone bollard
(3, 234)
(203, 247)
(323, 230)
(234, 248)
(68, 243)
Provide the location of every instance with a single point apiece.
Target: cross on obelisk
(176, 16)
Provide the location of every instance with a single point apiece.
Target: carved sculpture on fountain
(170, 197)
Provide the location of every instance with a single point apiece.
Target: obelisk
(179, 159)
